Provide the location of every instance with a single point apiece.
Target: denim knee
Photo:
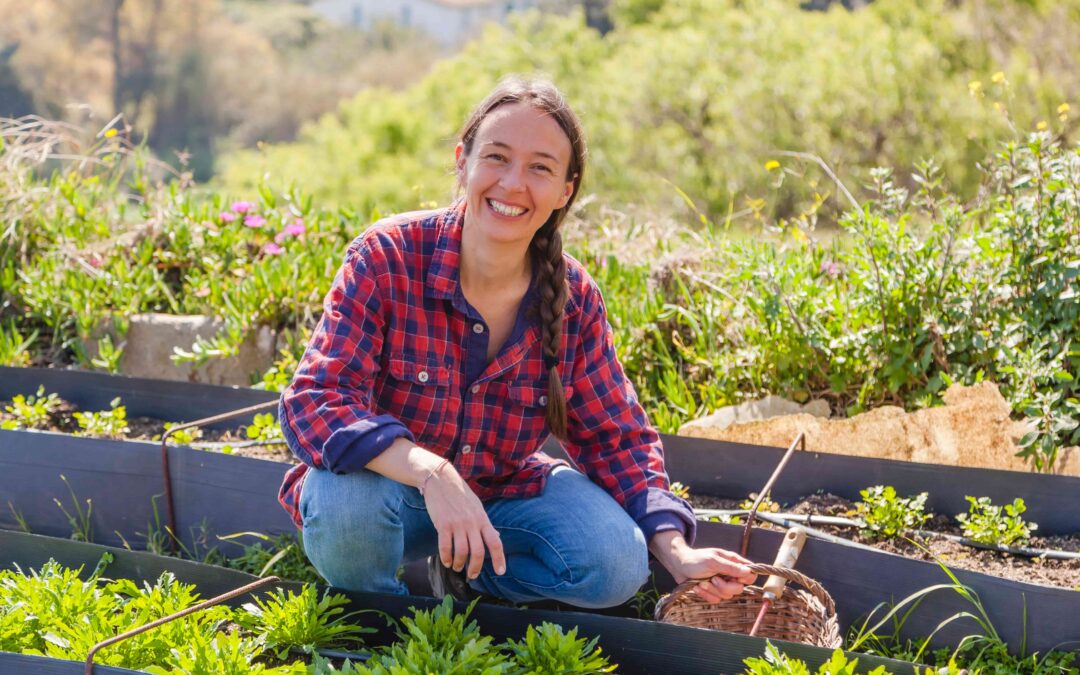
(353, 529)
(609, 572)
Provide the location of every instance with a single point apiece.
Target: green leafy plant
(886, 515)
(15, 349)
(264, 427)
(110, 423)
(32, 412)
(680, 490)
(285, 620)
(439, 640)
(996, 525)
(776, 662)
(548, 649)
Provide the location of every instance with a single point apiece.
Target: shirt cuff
(656, 510)
(350, 449)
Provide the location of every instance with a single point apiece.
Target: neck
(487, 265)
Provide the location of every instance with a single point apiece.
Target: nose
(512, 179)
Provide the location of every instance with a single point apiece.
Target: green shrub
(886, 516)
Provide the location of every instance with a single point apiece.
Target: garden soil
(972, 429)
(1060, 573)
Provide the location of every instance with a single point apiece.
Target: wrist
(668, 546)
(432, 474)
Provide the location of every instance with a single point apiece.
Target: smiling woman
(452, 344)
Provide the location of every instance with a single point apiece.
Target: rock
(761, 409)
(151, 338)
(973, 428)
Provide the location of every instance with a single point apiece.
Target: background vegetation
(735, 215)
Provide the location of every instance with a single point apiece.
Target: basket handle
(798, 577)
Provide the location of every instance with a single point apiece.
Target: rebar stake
(800, 441)
(166, 475)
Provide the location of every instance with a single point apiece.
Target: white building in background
(451, 22)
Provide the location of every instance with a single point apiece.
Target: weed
(82, 529)
(996, 525)
(886, 516)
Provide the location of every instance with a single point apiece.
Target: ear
(459, 159)
(567, 193)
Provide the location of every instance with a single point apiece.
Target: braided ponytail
(551, 271)
(546, 247)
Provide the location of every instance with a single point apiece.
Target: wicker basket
(807, 616)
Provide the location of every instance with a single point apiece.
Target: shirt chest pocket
(418, 394)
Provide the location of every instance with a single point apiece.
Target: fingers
(446, 556)
(476, 553)
(461, 549)
(718, 589)
(495, 548)
(734, 566)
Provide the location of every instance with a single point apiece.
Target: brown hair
(546, 247)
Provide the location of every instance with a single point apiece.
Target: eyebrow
(539, 153)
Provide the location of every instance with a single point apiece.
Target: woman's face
(515, 176)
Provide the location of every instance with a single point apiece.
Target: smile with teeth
(506, 209)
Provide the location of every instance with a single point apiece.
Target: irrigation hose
(790, 519)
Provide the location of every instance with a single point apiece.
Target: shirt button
(466, 449)
(475, 389)
(478, 328)
(543, 400)
(422, 376)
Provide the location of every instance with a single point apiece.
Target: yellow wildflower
(1063, 108)
(974, 87)
(772, 165)
(1041, 126)
(110, 133)
(998, 77)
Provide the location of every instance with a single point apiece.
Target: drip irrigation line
(806, 520)
(214, 445)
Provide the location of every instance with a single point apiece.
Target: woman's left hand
(723, 573)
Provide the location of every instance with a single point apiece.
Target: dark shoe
(445, 581)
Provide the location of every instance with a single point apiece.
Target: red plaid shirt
(399, 352)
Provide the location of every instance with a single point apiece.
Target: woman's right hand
(462, 523)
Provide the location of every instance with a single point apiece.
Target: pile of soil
(1060, 573)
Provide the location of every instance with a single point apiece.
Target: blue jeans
(573, 543)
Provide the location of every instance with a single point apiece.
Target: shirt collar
(443, 274)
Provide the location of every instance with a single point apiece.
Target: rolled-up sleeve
(326, 412)
(610, 437)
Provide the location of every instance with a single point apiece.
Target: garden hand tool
(789, 551)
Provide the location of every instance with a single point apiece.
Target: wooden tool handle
(789, 552)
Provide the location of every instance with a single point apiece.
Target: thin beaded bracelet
(423, 485)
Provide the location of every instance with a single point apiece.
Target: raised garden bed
(229, 494)
(636, 646)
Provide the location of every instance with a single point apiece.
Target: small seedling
(110, 423)
(767, 504)
(996, 525)
(82, 528)
(886, 516)
(31, 412)
(264, 427)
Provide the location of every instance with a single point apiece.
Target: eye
(495, 156)
(543, 167)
